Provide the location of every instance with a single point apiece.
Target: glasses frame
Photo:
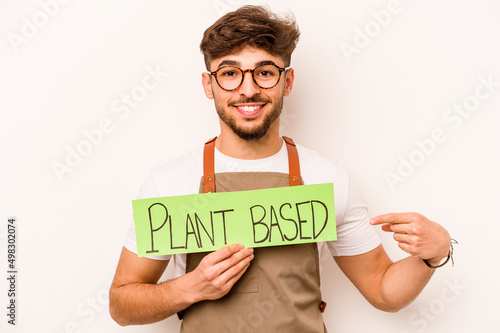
(281, 70)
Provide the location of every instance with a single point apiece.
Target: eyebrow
(229, 63)
(265, 62)
(238, 64)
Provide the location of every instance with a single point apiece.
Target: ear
(289, 78)
(206, 81)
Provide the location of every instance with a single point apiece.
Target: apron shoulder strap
(209, 173)
(293, 162)
(208, 166)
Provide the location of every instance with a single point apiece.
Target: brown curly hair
(254, 26)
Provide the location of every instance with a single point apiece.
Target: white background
(67, 74)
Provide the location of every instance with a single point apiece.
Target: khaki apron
(280, 291)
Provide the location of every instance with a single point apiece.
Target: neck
(232, 145)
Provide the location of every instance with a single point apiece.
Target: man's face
(249, 111)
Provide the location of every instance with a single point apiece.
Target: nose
(248, 87)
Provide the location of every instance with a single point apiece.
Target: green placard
(208, 221)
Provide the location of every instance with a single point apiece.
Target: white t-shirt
(182, 176)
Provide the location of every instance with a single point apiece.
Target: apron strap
(208, 166)
(293, 162)
(209, 173)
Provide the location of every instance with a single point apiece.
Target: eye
(229, 73)
(266, 73)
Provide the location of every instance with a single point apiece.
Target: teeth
(249, 108)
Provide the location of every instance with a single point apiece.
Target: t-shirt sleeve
(147, 190)
(355, 235)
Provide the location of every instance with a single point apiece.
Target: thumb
(386, 227)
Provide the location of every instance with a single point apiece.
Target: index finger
(393, 218)
(224, 253)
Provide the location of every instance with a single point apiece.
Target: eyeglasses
(230, 78)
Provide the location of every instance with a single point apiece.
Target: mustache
(249, 100)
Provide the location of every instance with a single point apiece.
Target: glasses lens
(266, 76)
(229, 77)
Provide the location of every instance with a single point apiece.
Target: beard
(250, 133)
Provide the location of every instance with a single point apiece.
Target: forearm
(145, 303)
(402, 283)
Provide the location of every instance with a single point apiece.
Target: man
(247, 54)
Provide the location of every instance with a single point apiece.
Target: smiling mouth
(250, 110)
